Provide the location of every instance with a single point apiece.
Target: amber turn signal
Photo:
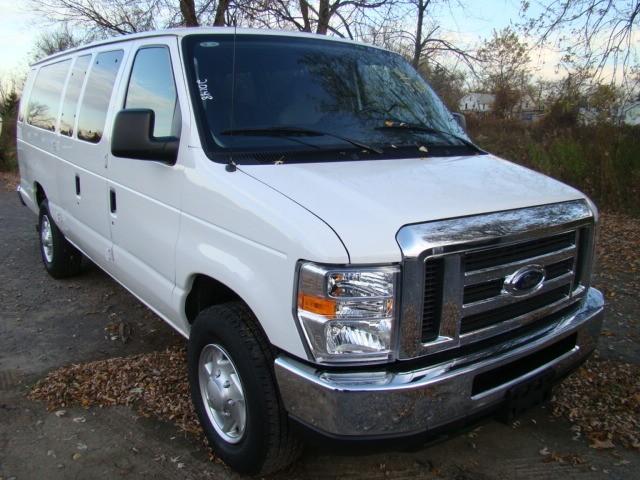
(318, 305)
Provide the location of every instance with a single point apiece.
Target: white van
(307, 213)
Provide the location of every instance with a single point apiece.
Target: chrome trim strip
(417, 238)
(449, 239)
(513, 323)
(505, 299)
(473, 277)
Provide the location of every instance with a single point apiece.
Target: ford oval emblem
(524, 281)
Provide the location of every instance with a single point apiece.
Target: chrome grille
(454, 293)
(486, 303)
(432, 304)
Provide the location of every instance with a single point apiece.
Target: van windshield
(259, 93)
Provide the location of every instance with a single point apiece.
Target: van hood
(367, 202)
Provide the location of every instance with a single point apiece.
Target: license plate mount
(525, 395)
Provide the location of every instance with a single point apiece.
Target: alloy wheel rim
(46, 237)
(222, 393)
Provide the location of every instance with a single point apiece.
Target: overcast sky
(19, 28)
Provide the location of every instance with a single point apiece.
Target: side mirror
(132, 137)
(461, 120)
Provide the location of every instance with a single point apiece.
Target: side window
(152, 86)
(71, 96)
(44, 101)
(24, 98)
(97, 94)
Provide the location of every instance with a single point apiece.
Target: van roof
(182, 32)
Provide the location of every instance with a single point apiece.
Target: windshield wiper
(286, 130)
(416, 127)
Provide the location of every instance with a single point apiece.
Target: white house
(477, 102)
(631, 114)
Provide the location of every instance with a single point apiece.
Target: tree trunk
(417, 46)
(304, 10)
(223, 6)
(324, 15)
(188, 11)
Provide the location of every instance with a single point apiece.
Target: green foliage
(447, 83)
(602, 160)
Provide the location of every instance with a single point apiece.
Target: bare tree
(428, 43)
(103, 17)
(322, 16)
(118, 17)
(410, 28)
(600, 32)
(48, 43)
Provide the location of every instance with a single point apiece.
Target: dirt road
(46, 324)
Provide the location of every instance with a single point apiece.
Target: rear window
(97, 95)
(71, 96)
(44, 101)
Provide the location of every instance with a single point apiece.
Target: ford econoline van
(304, 210)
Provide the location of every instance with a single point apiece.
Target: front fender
(250, 242)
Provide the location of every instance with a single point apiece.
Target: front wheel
(234, 391)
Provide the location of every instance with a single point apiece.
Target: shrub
(8, 113)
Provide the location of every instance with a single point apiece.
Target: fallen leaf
(602, 444)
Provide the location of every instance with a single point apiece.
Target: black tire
(268, 443)
(64, 259)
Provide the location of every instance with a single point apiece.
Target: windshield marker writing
(204, 90)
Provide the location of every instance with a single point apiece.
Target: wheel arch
(39, 193)
(207, 291)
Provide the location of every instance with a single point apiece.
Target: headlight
(348, 313)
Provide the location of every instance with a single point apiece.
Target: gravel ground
(46, 325)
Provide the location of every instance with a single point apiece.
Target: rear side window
(24, 99)
(152, 86)
(71, 96)
(97, 94)
(44, 101)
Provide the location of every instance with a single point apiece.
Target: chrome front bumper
(380, 403)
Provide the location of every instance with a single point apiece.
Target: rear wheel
(234, 391)
(60, 258)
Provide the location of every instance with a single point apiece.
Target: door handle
(112, 200)
(77, 185)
